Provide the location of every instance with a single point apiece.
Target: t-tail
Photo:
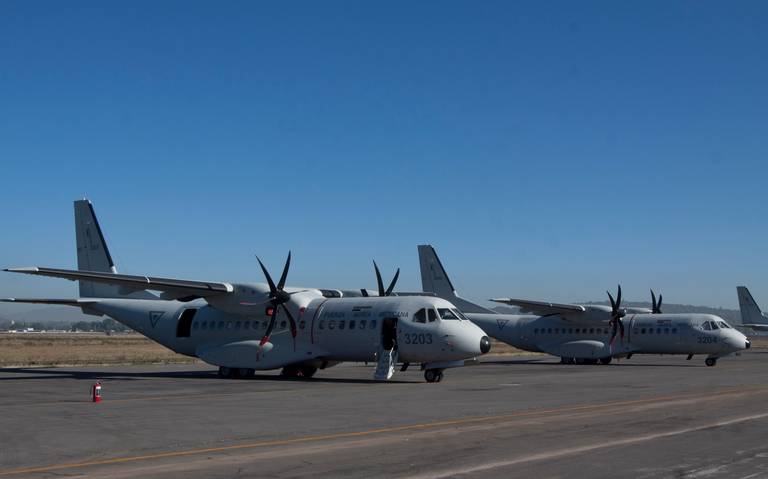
(93, 255)
(751, 316)
(434, 279)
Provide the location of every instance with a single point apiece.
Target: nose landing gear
(433, 375)
(710, 361)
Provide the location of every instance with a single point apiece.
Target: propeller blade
(291, 321)
(270, 327)
(658, 306)
(392, 284)
(284, 276)
(379, 282)
(653, 302)
(613, 303)
(272, 287)
(618, 299)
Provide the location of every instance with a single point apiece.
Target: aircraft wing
(59, 302)
(756, 327)
(541, 307)
(171, 288)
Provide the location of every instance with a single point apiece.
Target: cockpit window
(446, 313)
(432, 315)
(714, 325)
(723, 325)
(706, 326)
(420, 316)
(459, 314)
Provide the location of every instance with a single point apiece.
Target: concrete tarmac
(506, 417)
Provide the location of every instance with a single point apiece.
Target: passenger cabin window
(446, 313)
(431, 315)
(420, 316)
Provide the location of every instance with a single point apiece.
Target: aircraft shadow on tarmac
(546, 362)
(37, 374)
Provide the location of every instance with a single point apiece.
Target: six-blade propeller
(655, 306)
(277, 298)
(380, 283)
(616, 314)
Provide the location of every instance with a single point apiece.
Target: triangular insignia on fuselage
(154, 317)
(502, 323)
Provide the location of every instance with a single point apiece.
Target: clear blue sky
(547, 149)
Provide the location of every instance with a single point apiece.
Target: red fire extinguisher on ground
(96, 392)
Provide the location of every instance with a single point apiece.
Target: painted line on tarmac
(408, 427)
(588, 448)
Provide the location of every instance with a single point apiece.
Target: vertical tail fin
(93, 255)
(750, 311)
(435, 280)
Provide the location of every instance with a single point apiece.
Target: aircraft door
(389, 334)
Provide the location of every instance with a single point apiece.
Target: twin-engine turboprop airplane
(751, 316)
(247, 327)
(588, 334)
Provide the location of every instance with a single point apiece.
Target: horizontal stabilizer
(173, 288)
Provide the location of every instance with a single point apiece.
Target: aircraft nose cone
(485, 344)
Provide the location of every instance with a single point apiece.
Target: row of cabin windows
(570, 331)
(262, 325)
(342, 324)
(247, 325)
(657, 330)
(600, 330)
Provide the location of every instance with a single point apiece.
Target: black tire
(606, 360)
(307, 371)
(432, 375)
(225, 372)
(439, 376)
(710, 361)
(245, 373)
(290, 371)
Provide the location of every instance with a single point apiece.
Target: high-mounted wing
(541, 307)
(171, 288)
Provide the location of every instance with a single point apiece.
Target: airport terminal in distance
(300, 381)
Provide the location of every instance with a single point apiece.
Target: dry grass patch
(52, 349)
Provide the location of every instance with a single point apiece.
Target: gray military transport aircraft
(242, 328)
(588, 334)
(751, 316)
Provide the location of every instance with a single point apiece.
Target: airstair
(385, 367)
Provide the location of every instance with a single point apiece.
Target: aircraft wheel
(290, 371)
(307, 371)
(433, 375)
(245, 373)
(606, 360)
(710, 361)
(225, 372)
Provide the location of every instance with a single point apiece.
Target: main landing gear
(569, 360)
(235, 373)
(433, 375)
(297, 371)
